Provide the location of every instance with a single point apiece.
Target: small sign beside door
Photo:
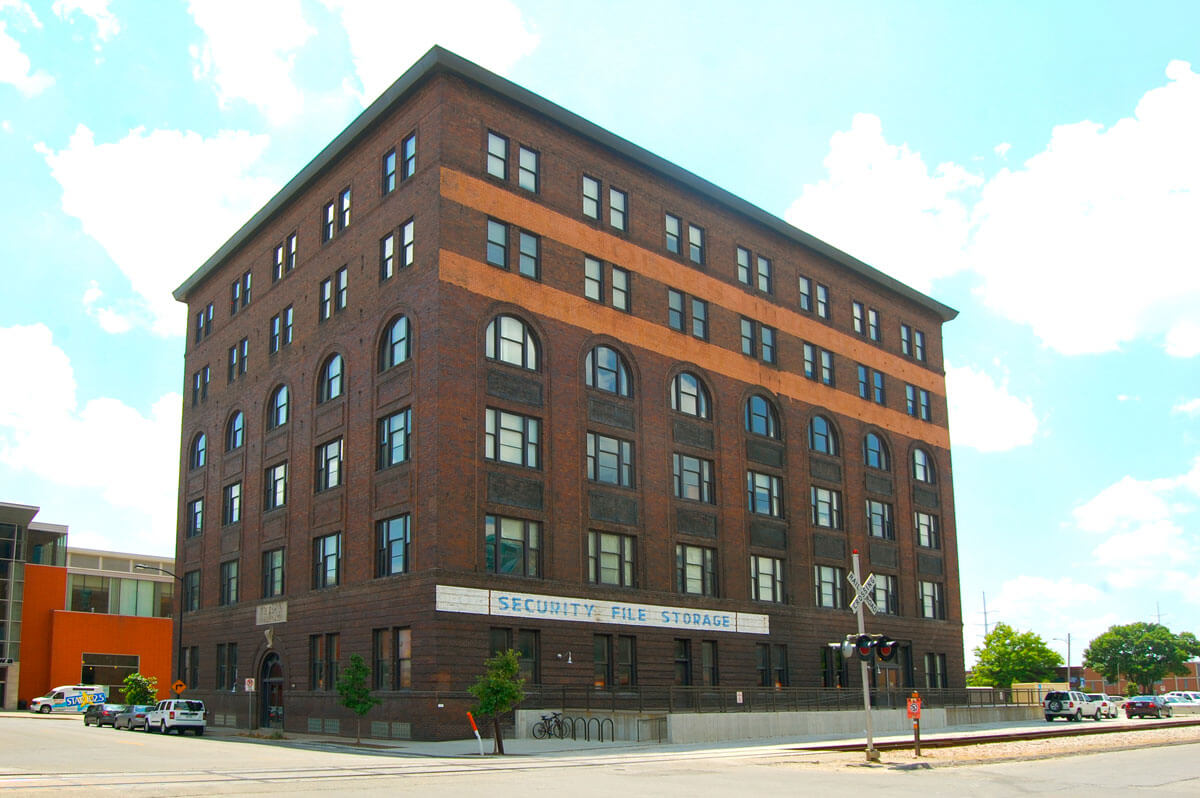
(249, 685)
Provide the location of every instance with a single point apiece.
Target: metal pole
(872, 754)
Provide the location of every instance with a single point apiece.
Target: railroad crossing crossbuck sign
(863, 594)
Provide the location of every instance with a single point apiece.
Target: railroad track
(1073, 730)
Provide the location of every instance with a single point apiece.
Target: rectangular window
(408, 154)
(610, 559)
(272, 573)
(618, 202)
(932, 604)
(806, 294)
(389, 171)
(497, 243)
(916, 402)
(906, 340)
(238, 353)
(195, 518)
(229, 582)
(873, 324)
(341, 284)
(402, 651)
(394, 431)
(829, 584)
(743, 265)
(919, 345)
(327, 561)
(239, 294)
(527, 261)
(277, 264)
(870, 385)
(764, 494)
(328, 222)
(693, 478)
(512, 438)
(674, 309)
(381, 659)
(204, 323)
(325, 299)
(387, 256)
(323, 652)
(766, 579)
(879, 520)
(285, 334)
(200, 386)
(231, 504)
(614, 662)
(275, 482)
(935, 671)
(758, 340)
(826, 508)
(392, 538)
(591, 197)
(696, 244)
(766, 337)
(344, 209)
(766, 278)
(227, 671)
(329, 465)
(887, 594)
(291, 249)
(748, 338)
(275, 335)
(877, 392)
(823, 301)
(497, 155)
(407, 243)
(512, 545)
(683, 662)
(620, 289)
(191, 591)
(856, 309)
(927, 530)
(772, 664)
(609, 460)
(674, 231)
(527, 169)
(593, 279)
(700, 319)
(695, 570)
(709, 674)
(810, 361)
(826, 367)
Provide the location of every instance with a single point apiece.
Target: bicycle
(552, 725)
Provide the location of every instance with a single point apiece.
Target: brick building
(484, 374)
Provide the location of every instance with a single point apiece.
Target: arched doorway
(271, 690)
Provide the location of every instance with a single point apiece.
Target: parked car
(1070, 704)
(69, 698)
(1183, 704)
(101, 714)
(1117, 701)
(176, 714)
(1107, 708)
(132, 717)
(1147, 706)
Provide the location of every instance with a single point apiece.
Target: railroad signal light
(885, 648)
(863, 645)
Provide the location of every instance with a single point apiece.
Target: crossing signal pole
(862, 596)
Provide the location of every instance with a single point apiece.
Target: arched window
(688, 395)
(277, 408)
(923, 467)
(393, 349)
(606, 371)
(875, 453)
(330, 386)
(510, 341)
(761, 418)
(822, 437)
(235, 431)
(198, 456)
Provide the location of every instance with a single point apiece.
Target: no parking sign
(914, 707)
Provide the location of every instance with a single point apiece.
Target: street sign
(178, 686)
(914, 708)
(249, 685)
(863, 593)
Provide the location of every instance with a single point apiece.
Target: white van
(69, 698)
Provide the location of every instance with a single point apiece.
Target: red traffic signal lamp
(863, 645)
(881, 647)
(885, 648)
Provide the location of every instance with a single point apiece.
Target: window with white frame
(512, 438)
(764, 494)
(826, 507)
(509, 340)
(830, 581)
(329, 465)
(695, 570)
(512, 546)
(766, 579)
(611, 559)
(932, 603)
(609, 460)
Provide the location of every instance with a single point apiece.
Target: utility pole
(986, 630)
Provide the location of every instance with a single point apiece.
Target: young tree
(355, 694)
(141, 689)
(499, 690)
(1008, 656)
(1143, 652)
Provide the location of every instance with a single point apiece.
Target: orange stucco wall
(53, 640)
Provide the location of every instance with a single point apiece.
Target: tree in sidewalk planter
(140, 689)
(1008, 656)
(355, 693)
(498, 691)
(1141, 652)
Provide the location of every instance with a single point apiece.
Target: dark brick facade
(450, 295)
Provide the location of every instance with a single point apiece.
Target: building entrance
(271, 691)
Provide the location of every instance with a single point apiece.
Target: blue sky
(1031, 164)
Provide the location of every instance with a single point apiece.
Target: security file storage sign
(533, 606)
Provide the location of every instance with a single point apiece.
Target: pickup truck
(1072, 705)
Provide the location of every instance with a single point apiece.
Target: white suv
(1070, 704)
(176, 714)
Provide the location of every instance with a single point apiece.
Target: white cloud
(129, 459)
(493, 33)
(250, 49)
(110, 319)
(160, 203)
(15, 67)
(984, 415)
(1190, 408)
(883, 205)
(107, 24)
(1183, 339)
(1002, 149)
(1052, 240)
